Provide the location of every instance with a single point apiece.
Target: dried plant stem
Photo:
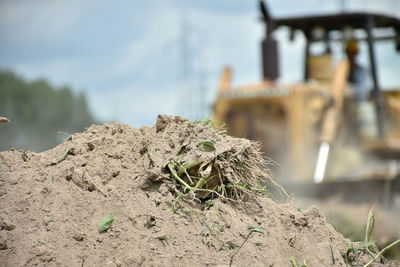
(233, 255)
(381, 252)
(64, 155)
(94, 184)
(173, 172)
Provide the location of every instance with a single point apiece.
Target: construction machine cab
(332, 28)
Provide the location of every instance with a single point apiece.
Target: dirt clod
(3, 241)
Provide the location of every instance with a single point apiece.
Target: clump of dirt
(180, 192)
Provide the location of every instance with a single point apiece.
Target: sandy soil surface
(350, 219)
(52, 203)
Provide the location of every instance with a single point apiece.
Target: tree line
(41, 115)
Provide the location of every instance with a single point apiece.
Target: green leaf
(206, 146)
(42, 241)
(370, 226)
(254, 229)
(106, 222)
(163, 238)
(151, 222)
(243, 186)
(294, 263)
(231, 245)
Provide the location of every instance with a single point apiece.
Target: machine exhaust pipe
(270, 63)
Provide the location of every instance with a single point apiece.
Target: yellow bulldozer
(327, 130)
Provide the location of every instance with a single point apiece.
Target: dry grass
(234, 175)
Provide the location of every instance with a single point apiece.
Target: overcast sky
(136, 59)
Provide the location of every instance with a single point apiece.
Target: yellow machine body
(291, 120)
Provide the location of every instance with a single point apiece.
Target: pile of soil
(52, 203)
(350, 220)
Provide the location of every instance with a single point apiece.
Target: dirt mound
(181, 194)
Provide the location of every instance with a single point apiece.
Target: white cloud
(41, 20)
(159, 29)
(227, 39)
(391, 7)
(136, 106)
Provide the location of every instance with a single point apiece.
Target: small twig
(221, 182)
(203, 221)
(66, 153)
(381, 252)
(94, 184)
(63, 157)
(175, 204)
(187, 166)
(355, 251)
(173, 172)
(165, 133)
(233, 255)
(200, 183)
(152, 163)
(333, 256)
(68, 134)
(185, 172)
(346, 260)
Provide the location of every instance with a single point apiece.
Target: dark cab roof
(333, 22)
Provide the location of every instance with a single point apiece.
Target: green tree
(39, 113)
